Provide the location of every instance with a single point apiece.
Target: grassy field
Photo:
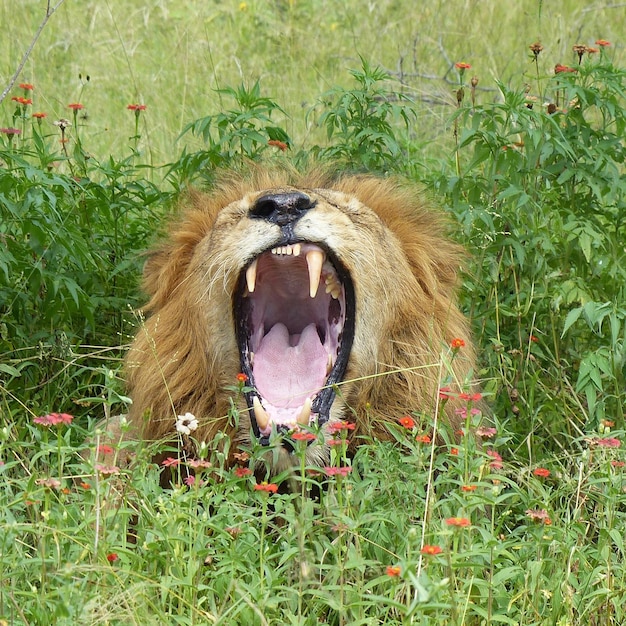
(527, 529)
(174, 56)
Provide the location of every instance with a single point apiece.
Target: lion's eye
(292, 309)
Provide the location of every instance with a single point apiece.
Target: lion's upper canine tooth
(305, 413)
(260, 414)
(251, 276)
(314, 261)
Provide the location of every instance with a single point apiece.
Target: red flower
(136, 107)
(112, 557)
(303, 436)
(268, 487)
(240, 472)
(608, 442)
(462, 66)
(454, 451)
(170, 462)
(459, 522)
(39, 115)
(336, 427)
(603, 43)
(471, 397)
(445, 393)
(337, 471)
(26, 86)
(22, 100)
(241, 378)
(469, 488)
(393, 571)
(76, 106)
(407, 422)
(431, 550)
(496, 464)
(105, 449)
(560, 69)
(423, 439)
(54, 419)
(542, 472)
(281, 145)
(457, 342)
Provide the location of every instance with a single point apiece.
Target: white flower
(186, 423)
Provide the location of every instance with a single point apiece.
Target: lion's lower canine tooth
(314, 261)
(251, 276)
(305, 413)
(260, 414)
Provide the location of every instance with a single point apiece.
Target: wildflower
(496, 464)
(75, 106)
(186, 423)
(50, 483)
(39, 115)
(107, 470)
(136, 107)
(241, 378)
(542, 472)
(457, 343)
(63, 123)
(608, 442)
(469, 488)
(592, 50)
(536, 48)
(338, 471)
(10, 131)
(607, 423)
(337, 427)
(486, 431)
(423, 438)
(105, 449)
(618, 463)
(563, 69)
(407, 422)
(454, 451)
(170, 462)
(458, 522)
(21, 100)
(539, 515)
(431, 550)
(471, 397)
(304, 436)
(241, 457)
(240, 472)
(281, 145)
(603, 43)
(233, 531)
(579, 49)
(334, 442)
(84, 485)
(190, 481)
(462, 66)
(54, 419)
(445, 393)
(268, 487)
(112, 557)
(199, 464)
(533, 338)
(462, 412)
(26, 86)
(393, 570)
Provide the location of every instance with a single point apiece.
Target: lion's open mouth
(294, 311)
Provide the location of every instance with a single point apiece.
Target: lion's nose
(282, 208)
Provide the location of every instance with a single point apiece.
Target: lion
(333, 296)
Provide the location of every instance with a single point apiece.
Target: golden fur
(403, 269)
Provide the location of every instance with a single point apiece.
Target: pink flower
(10, 131)
(240, 472)
(105, 449)
(608, 442)
(483, 431)
(337, 427)
(199, 464)
(496, 464)
(303, 436)
(337, 471)
(190, 481)
(54, 419)
(170, 462)
(107, 470)
(50, 483)
(539, 515)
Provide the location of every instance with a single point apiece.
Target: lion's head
(335, 296)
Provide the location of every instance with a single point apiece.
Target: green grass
(538, 196)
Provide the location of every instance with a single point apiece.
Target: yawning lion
(334, 296)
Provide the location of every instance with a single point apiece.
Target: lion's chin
(294, 311)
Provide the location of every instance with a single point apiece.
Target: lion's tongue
(289, 369)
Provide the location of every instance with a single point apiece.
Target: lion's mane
(404, 273)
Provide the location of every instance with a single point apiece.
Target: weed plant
(527, 528)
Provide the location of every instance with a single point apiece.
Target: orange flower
(462, 66)
(336, 427)
(459, 522)
(75, 106)
(423, 439)
(241, 378)
(281, 145)
(393, 571)
(407, 422)
(542, 472)
(457, 343)
(469, 488)
(39, 115)
(111, 558)
(267, 487)
(563, 69)
(603, 43)
(454, 451)
(26, 86)
(136, 107)
(431, 550)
